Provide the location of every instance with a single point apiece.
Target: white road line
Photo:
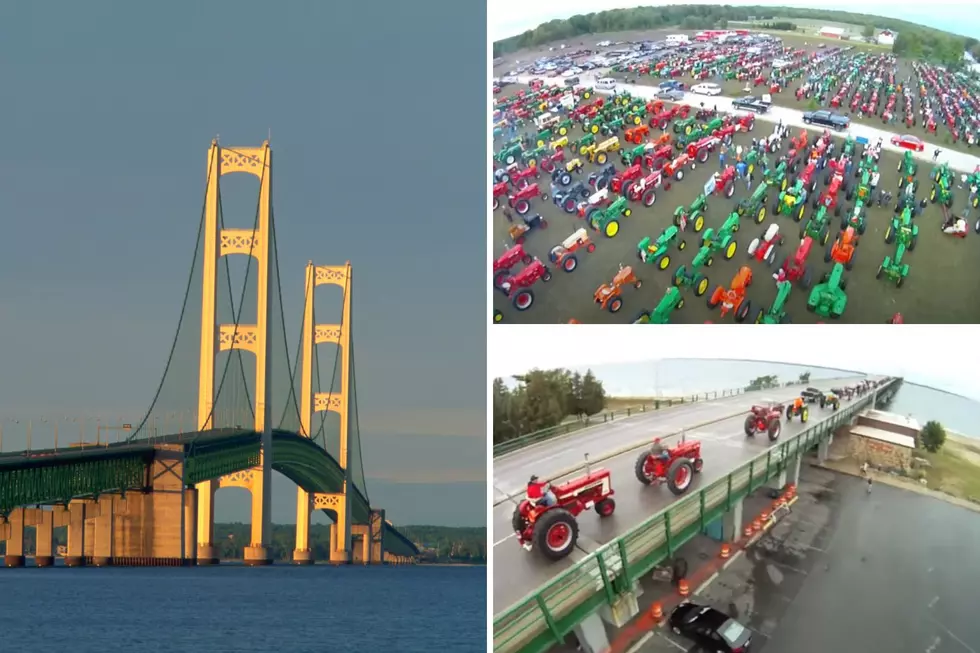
(639, 644)
(505, 539)
(932, 603)
(674, 644)
(950, 633)
(731, 560)
(934, 645)
(703, 586)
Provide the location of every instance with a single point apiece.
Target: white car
(706, 89)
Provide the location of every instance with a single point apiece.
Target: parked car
(711, 629)
(708, 88)
(909, 142)
(670, 94)
(753, 103)
(827, 119)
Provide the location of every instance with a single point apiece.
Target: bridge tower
(248, 337)
(337, 401)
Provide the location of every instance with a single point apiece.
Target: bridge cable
(282, 319)
(183, 310)
(357, 419)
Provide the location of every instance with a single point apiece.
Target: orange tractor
(609, 296)
(636, 135)
(733, 300)
(843, 249)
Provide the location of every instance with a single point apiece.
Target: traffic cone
(764, 516)
(748, 530)
(725, 551)
(757, 524)
(657, 611)
(683, 588)
(790, 491)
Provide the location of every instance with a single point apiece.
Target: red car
(909, 142)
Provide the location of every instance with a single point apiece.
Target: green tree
(868, 31)
(763, 383)
(933, 436)
(542, 399)
(592, 396)
(804, 378)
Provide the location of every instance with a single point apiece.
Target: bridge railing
(545, 617)
(565, 428)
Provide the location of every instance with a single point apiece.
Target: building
(886, 37)
(832, 32)
(884, 440)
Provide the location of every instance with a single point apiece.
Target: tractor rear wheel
(555, 533)
(698, 465)
(804, 414)
(644, 468)
(606, 507)
(679, 476)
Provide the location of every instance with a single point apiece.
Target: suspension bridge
(234, 406)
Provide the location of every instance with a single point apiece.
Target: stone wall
(882, 455)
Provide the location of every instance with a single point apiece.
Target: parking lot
(944, 271)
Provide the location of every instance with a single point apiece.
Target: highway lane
(793, 117)
(724, 446)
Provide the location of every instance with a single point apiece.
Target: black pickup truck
(811, 395)
(753, 103)
(827, 119)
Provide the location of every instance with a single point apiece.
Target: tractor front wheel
(750, 426)
(606, 507)
(555, 533)
(774, 428)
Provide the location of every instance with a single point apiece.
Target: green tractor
(906, 200)
(582, 145)
(792, 201)
(856, 217)
(692, 278)
(755, 204)
(942, 192)
(894, 268)
(724, 239)
(530, 158)
(613, 126)
(866, 165)
(509, 153)
(903, 230)
(606, 220)
(658, 251)
(777, 176)
(685, 126)
(863, 190)
(564, 127)
(907, 168)
(828, 299)
(848, 149)
(594, 124)
(776, 313)
(817, 227)
(671, 301)
(940, 172)
(629, 157)
(543, 137)
(973, 183)
(692, 215)
(692, 136)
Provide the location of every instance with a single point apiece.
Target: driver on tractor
(539, 493)
(659, 451)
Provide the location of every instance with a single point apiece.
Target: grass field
(941, 287)
(956, 468)
(622, 403)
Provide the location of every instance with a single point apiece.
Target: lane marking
(731, 560)
(640, 642)
(673, 643)
(505, 539)
(932, 603)
(703, 586)
(950, 633)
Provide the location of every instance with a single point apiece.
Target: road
(724, 446)
(957, 160)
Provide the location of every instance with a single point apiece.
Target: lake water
(688, 376)
(235, 609)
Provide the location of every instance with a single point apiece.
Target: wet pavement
(851, 571)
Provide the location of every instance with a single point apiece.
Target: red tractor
(520, 178)
(809, 177)
(725, 182)
(657, 159)
(794, 268)
(702, 149)
(828, 197)
(521, 200)
(621, 181)
(518, 286)
(509, 259)
(764, 247)
(553, 530)
(645, 189)
(675, 466)
(675, 168)
(500, 189)
(765, 419)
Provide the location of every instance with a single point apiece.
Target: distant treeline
(542, 399)
(913, 41)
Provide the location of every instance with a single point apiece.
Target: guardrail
(545, 617)
(509, 446)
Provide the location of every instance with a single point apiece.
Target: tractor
(553, 530)
(777, 176)
(634, 155)
(600, 153)
(613, 126)
(528, 223)
(828, 299)
(606, 220)
(733, 299)
(509, 154)
(894, 268)
(657, 252)
(764, 247)
(621, 181)
(675, 168)
(817, 226)
(644, 189)
(907, 168)
(941, 172)
(518, 286)
(798, 407)
(675, 466)
(843, 249)
(856, 218)
(754, 205)
(521, 200)
(509, 259)
(830, 399)
(904, 230)
(791, 201)
(701, 149)
(724, 239)
(609, 296)
(776, 313)
(692, 215)
(685, 126)
(568, 198)
(765, 419)
(724, 182)
(671, 301)
(692, 278)
(808, 178)
(563, 255)
(583, 145)
(863, 190)
(906, 200)
(602, 178)
(636, 134)
(794, 268)
(942, 192)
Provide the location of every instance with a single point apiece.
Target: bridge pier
(76, 534)
(102, 549)
(302, 554)
(44, 538)
(206, 554)
(732, 522)
(591, 634)
(15, 539)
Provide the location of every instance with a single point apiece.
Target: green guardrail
(543, 619)
(509, 446)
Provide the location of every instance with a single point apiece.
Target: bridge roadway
(794, 118)
(517, 573)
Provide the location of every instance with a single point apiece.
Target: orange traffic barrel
(756, 524)
(657, 611)
(725, 550)
(748, 530)
(683, 588)
(574, 321)
(790, 490)
(764, 516)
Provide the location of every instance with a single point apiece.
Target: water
(954, 412)
(236, 609)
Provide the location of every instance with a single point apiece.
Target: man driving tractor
(539, 493)
(659, 451)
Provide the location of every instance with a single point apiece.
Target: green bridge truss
(49, 476)
(545, 617)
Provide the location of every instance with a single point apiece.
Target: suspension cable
(357, 418)
(231, 298)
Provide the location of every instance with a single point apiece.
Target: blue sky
(510, 17)
(110, 108)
